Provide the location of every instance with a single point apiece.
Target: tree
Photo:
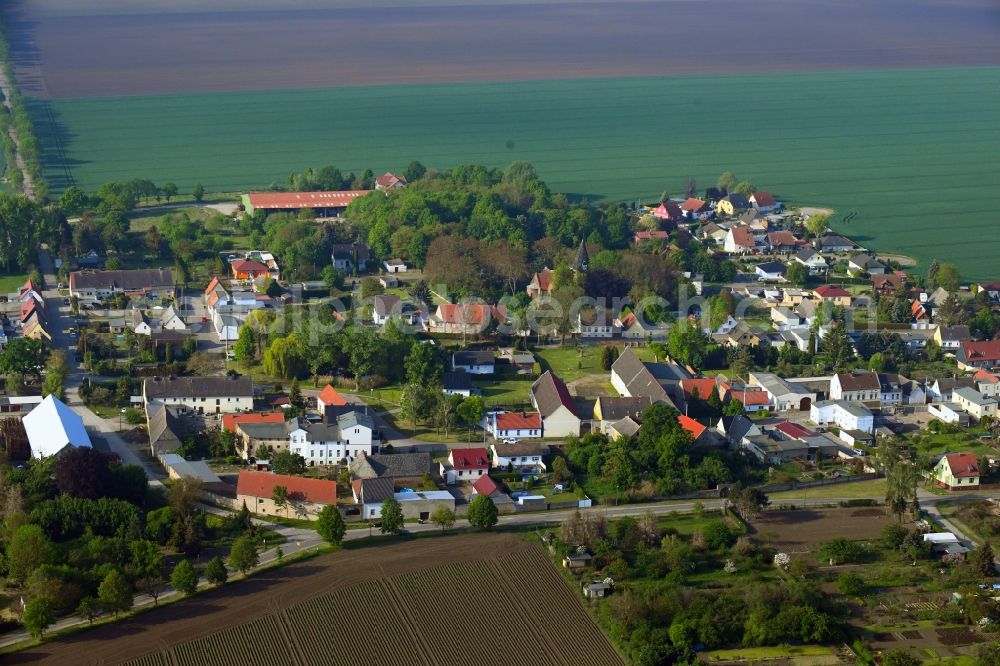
(169, 190)
(745, 188)
(243, 554)
(713, 400)
(483, 513)
(816, 224)
(198, 192)
(747, 502)
(215, 571)
(471, 410)
(414, 171)
(443, 517)
(115, 593)
(279, 495)
(88, 609)
(28, 548)
(245, 347)
(797, 274)
(184, 578)
(727, 181)
(734, 408)
(981, 562)
(851, 584)
(392, 516)
(422, 366)
(932, 273)
(330, 524)
(416, 403)
(83, 472)
(38, 616)
(606, 358)
(24, 356)
(286, 462)
(948, 277)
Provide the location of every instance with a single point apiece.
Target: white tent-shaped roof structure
(52, 426)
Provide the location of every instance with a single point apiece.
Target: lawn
(571, 362)
(869, 144)
(11, 283)
(873, 489)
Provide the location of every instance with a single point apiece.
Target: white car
(510, 440)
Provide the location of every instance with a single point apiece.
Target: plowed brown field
(483, 599)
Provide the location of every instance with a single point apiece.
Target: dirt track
(73, 56)
(268, 597)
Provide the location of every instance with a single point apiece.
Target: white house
(551, 398)
(514, 425)
(740, 240)
(383, 308)
(785, 396)
(771, 271)
(949, 412)
(205, 395)
(845, 415)
(171, 321)
(987, 384)
(812, 260)
(974, 403)
(370, 493)
(330, 444)
(856, 386)
(523, 456)
(784, 318)
(465, 465)
(457, 383)
(474, 362)
(394, 266)
(52, 426)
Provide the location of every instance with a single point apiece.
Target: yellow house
(732, 204)
(837, 296)
(957, 471)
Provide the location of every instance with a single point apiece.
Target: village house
(321, 204)
(595, 323)
(457, 383)
(949, 412)
(89, 286)
(696, 209)
(370, 494)
(783, 318)
(890, 388)
(551, 398)
(640, 237)
(769, 450)
(835, 296)
(394, 265)
(421, 504)
(952, 337)
(389, 181)
(329, 398)
(170, 320)
(205, 395)
(942, 389)
(633, 378)
(465, 465)
(669, 211)
(833, 244)
(888, 285)
(784, 396)
(464, 318)
(865, 264)
(349, 258)
(974, 355)
(401, 468)
(248, 269)
(783, 242)
(957, 471)
(384, 306)
(975, 404)
(609, 409)
(523, 456)
(733, 204)
(306, 497)
(333, 442)
(764, 202)
(474, 362)
(987, 384)
(855, 386)
(636, 328)
(770, 271)
(845, 415)
(52, 426)
(812, 260)
(735, 429)
(541, 283)
(714, 233)
(740, 240)
(261, 439)
(514, 425)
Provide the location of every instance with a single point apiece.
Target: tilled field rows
(513, 609)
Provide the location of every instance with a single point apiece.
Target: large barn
(52, 426)
(323, 204)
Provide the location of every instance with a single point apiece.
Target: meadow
(907, 171)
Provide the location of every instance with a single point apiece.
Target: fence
(795, 485)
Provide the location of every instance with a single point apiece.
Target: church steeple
(582, 261)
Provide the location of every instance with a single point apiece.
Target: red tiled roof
(649, 235)
(793, 430)
(963, 465)
(763, 198)
(751, 398)
(294, 200)
(330, 396)
(692, 205)
(471, 314)
(781, 238)
(627, 321)
(484, 485)
(987, 377)
(703, 384)
(830, 291)
(229, 421)
(212, 285)
(249, 266)
(668, 210)
(543, 279)
(891, 281)
(519, 421)
(917, 309)
(389, 179)
(692, 426)
(743, 237)
(988, 350)
(859, 381)
(262, 484)
(475, 458)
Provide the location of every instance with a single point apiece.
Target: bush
(851, 584)
(718, 535)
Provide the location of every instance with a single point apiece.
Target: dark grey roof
(805, 253)
(347, 250)
(385, 303)
(581, 262)
(549, 393)
(144, 278)
(268, 431)
(163, 429)
(958, 332)
(472, 358)
(772, 267)
(739, 201)
(457, 381)
(353, 419)
(737, 427)
(375, 491)
(833, 240)
(200, 387)
(613, 409)
(521, 449)
(391, 465)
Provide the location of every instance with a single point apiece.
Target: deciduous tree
(392, 516)
(330, 524)
(483, 513)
